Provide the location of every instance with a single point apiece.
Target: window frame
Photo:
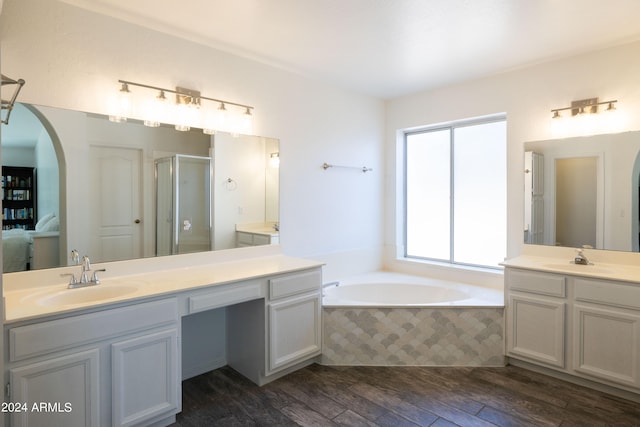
(450, 126)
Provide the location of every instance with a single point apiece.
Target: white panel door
(294, 331)
(145, 384)
(62, 391)
(607, 344)
(536, 329)
(114, 204)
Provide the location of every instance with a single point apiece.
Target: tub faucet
(580, 258)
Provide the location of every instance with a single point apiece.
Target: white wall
(48, 177)
(19, 156)
(72, 59)
(527, 95)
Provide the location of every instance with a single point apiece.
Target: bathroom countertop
(21, 298)
(266, 229)
(610, 271)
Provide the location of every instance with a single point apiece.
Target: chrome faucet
(84, 278)
(580, 258)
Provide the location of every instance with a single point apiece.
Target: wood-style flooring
(400, 396)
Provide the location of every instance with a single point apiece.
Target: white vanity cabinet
(536, 310)
(76, 404)
(606, 331)
(120, 363)
(280, 333)
(294, 319)
(117, 366)
(244, 239)
(585, 327)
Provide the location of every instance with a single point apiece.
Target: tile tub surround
(413, 336)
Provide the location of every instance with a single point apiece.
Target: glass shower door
(183, 203)
(193, 204)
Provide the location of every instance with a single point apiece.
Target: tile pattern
(413, 336)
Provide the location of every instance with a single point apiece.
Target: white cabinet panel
(607, 344)
(71, 382)
(145, 382)
(55, 335)
(293, 284)
(225, 295)
(294, 331)
(537, 329)
(537, 283)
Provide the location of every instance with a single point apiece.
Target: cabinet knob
(137, 221)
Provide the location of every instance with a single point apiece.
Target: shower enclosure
(183, 204)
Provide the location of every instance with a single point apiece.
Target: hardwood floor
(400, 396)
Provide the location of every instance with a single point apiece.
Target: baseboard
(194, 371)
(614, 391)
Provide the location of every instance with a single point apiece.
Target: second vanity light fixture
(188, 110)
(585, 106)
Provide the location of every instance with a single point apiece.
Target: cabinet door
(145, 384)
(607, 344)
(64, 390)
(536, 329)
(294, 331)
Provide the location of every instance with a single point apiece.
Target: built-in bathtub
(385, 318)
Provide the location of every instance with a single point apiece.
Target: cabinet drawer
(609, 293)
(45, 337)
(244, 238)
(295, 283)
(225, 295)
(537, 283)
(259, 239)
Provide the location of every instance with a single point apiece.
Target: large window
(456, 193)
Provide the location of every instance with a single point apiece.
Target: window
(455, 193)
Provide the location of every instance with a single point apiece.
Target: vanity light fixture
(188, 110)
(584, 106)
(8, 105)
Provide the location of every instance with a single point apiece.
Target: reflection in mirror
(183, 204)
(583, 191)
(94, 186)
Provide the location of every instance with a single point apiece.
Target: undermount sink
(590, 268)
(85, 295)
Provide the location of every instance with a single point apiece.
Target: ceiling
(389, 48)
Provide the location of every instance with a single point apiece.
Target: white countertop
(610, 271)
(266, 229)
(22, 292)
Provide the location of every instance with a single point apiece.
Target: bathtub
(388, 289)
(392, 319)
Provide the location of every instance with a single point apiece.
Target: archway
(29, 132)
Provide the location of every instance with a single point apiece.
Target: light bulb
(247, 122)
(123, 105)
(156, 110)
(221, 117)
(182, 117)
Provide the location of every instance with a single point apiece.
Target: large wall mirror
(584, 192)
(74, 180)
